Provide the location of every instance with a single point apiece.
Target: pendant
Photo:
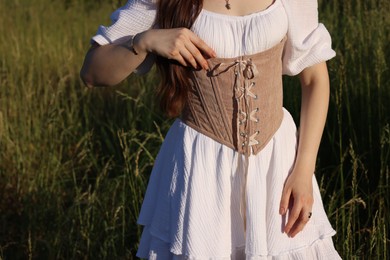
(227, 5)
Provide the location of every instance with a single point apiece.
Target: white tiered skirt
(198, 204)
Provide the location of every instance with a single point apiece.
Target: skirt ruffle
(321, 249)
(200, 205)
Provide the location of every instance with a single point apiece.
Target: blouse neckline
(269, 9)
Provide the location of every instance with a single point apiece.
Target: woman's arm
(108, 65)
(298, 191)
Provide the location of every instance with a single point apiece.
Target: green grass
(74, 162)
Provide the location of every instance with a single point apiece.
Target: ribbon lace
(243, 92)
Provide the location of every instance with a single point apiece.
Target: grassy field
(74, 162)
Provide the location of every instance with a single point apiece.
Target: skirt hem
(321, 248)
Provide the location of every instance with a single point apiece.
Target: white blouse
(308, 41)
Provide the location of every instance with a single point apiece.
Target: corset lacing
(242, 93)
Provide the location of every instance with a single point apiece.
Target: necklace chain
(227, 5)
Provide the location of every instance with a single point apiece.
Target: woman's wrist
(134, 44)
(138, 43)
(304, 166)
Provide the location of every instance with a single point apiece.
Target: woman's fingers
(192, 47)
(188, 58)
(181, 60)
(293, 217)
(178, 44)
(284, 202)
(300, 223)
(299, 215)
(195, 56)
(202, 46)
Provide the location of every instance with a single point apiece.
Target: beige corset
(239, 101)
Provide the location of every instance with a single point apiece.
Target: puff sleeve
(308, 41)
(134, 17)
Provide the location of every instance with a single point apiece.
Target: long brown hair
(175, 80)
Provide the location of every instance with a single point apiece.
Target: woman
(231, 180)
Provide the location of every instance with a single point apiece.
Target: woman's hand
(297, 198)
(178, 44)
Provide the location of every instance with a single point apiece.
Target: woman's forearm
(108, 65)
(314, 108)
